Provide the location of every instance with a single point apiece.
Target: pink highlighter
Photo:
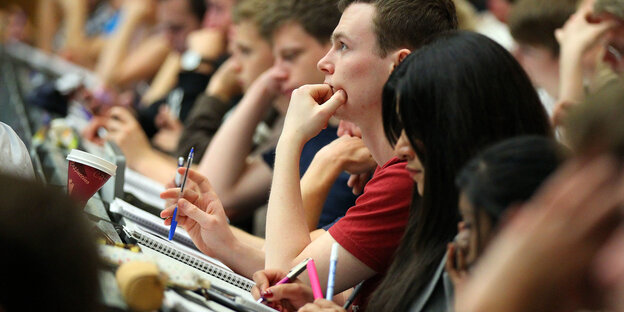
(314, 280)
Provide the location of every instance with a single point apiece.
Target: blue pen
(333, 261)
(174, 223)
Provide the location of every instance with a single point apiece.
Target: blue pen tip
(172, 229)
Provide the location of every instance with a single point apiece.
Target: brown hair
(408, 23)
(534, 21)
(256, 12)
(615, 7)
(318, 18)
(596, 125)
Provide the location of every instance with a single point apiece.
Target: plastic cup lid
(93, 161)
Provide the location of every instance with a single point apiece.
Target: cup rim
(93, 161)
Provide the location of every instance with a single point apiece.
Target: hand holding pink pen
(314, 280)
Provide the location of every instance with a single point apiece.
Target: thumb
(334, 102)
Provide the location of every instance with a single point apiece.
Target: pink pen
(314, 280)
(292, 275)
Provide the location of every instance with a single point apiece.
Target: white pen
(333, 261)
(178, 176)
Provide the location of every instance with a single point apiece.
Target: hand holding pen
(174, 222)
(294, 293)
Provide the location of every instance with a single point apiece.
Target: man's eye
(343, 46)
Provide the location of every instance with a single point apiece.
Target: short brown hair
(596, 125)
(534, 22)
(408, 23)
(318, 18)
(256, 12)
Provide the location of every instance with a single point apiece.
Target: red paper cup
(86, 174)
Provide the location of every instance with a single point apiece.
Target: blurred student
(536, 263)
(532, 24)
(50, 261)
(492, 185)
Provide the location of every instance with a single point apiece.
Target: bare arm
(133, 14)
(226, 162)
(286, 214)
(47, 24)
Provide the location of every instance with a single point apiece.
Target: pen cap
(86, 174)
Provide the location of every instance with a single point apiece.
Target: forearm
(226, 156)
(116, 48)
(241, 257)
(315, 186)
(75, 16)
(287, 233)
(47, 24)
(151, 59)
(155, 165)
(571, 89)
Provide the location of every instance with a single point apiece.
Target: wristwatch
(191, 60)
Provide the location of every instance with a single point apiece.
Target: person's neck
(376, 142)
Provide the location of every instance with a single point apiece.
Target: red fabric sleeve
(371, 230)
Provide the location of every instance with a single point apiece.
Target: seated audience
(377, 220)
(301, 36)
(436, 135)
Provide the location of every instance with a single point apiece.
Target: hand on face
(353, 157)
(309, 111)
(200, 213)
(125, 131)
(285, 297)
(224, 83)
(170, 130)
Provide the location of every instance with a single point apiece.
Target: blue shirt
(340, 197)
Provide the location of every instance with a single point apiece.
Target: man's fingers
(334, 102)
(193, 212)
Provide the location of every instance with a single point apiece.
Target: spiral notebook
(218, 275)
(149, 221)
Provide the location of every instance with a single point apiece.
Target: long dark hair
(453, 97)
(507, 173)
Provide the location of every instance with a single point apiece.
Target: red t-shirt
(371, 230)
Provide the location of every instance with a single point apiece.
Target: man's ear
(398, 57)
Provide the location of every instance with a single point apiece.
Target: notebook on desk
(149, 221)
(219, 276)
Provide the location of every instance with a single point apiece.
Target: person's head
(250, 50)
(503, 175)
(532, 24)
(372, 38)
(595, 128)
(612, 10)
(444, 103)
(50, 260)
(219, 14)
(300, 37)
(179, 18)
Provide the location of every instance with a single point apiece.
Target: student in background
(532, 24)
(492, 185)
(536, 263)
(50, 260)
